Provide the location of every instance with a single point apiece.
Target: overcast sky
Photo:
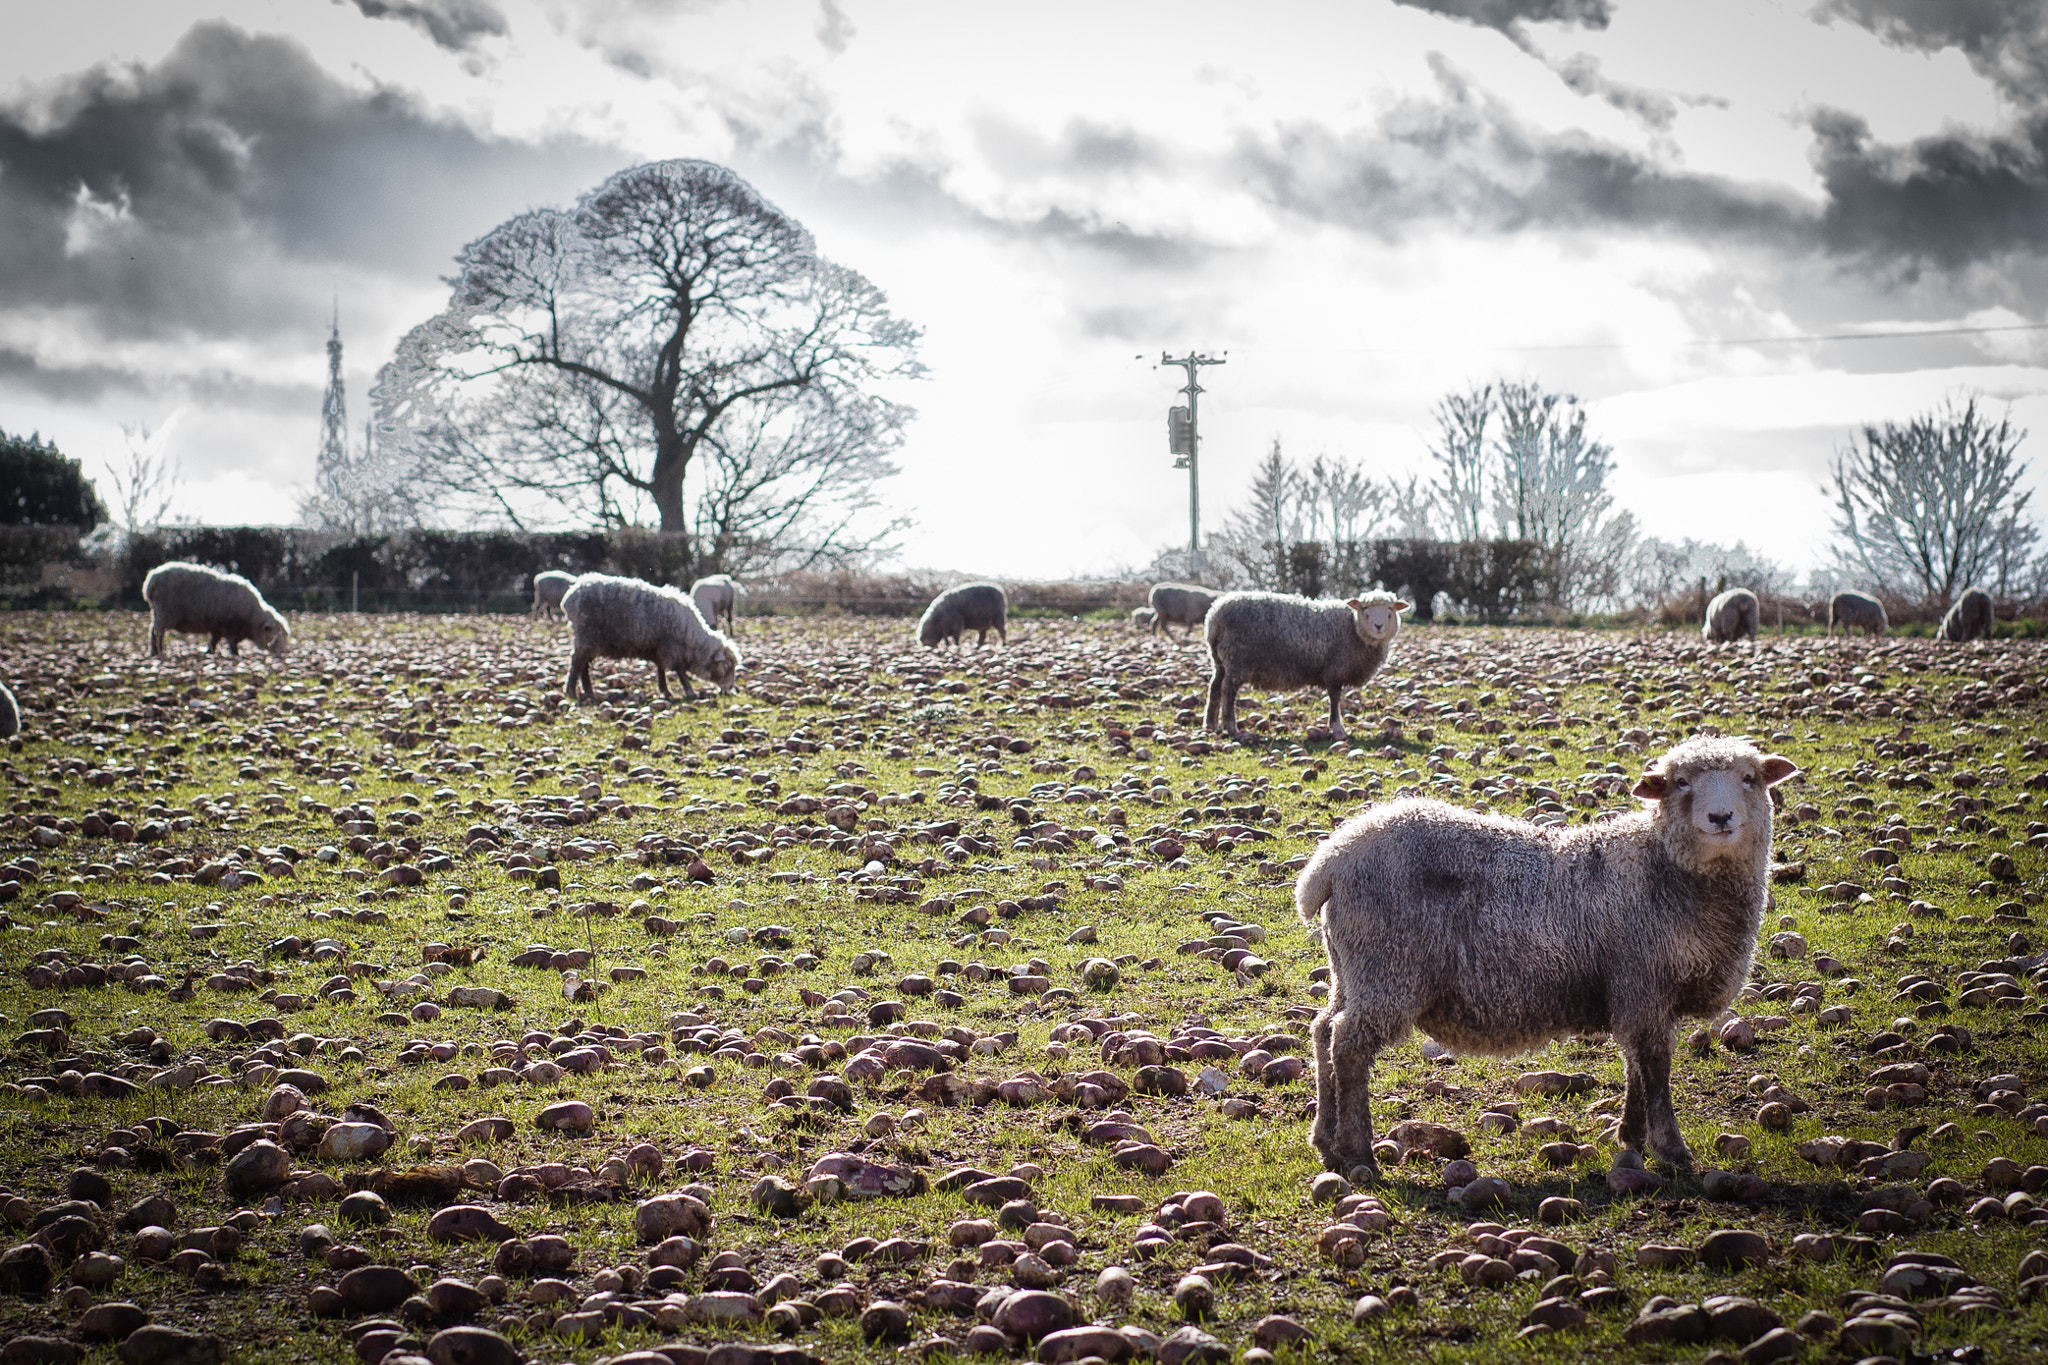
(1653, 204)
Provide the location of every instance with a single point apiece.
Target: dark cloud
(22, 372)
(1508, 15)
(454, 24)
(218, 191)
(1948, 200)
(2006, 41)
(1465, 159)
(1583, 75)
(1122, 244)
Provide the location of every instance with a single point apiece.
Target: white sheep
(193, 599)
(979, 607)
(1731, 616)
(1497, 935)
(716, 596)
(1856, 611)
(625, 618)
(1273, 640)
(547, 593)
(1179, 604)
(1969, 619)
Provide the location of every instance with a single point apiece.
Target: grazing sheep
(624, 618)
(1854, 611)
(1144, 618)
(1731, 616)
(716, 596)
(1179, 604)
(195, 600)
(547, 593)
(1968, 619)
(1274, 641)
(1496, 935)
(979, 607)
(10, 714)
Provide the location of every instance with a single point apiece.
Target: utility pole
(1184, 439)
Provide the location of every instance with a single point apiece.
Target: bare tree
(146, 479)
(1463, 459)
(590, 357)
(1929, 507)
(1270, 519)
(1411, 509)
(1354, 501)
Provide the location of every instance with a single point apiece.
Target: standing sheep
(1275, 641)
(1144, 618)
(1179, 604)
(547, 593)
(1968, 619)
(716, 596)
(1856, 611)
(1731, 616)
(979, 607)
(624, 618)
(1497, 935)
(10, 714)
(195, 600)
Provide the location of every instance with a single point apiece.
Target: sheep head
(275, 636)
(725, 664)
(1376, 616)
(1713, 798)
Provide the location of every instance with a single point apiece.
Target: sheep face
(1376, 621)
(276, 637)
(724, 665)
(1713, 799)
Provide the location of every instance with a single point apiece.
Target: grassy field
(830, 914)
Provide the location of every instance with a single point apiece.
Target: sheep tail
(1311, 890)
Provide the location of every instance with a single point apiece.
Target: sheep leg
(212, 643)
(579, 666)
(1647, 1116)
(1229, 717)
(1321, 1034)
(1354, 1044)
(1215, 711)
(1336, 713)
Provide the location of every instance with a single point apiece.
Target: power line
(1715, 343)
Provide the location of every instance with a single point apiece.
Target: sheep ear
(1403, 606)
(1356, 604)
(1777, 769)
(1651, 786)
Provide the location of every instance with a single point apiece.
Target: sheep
(1969, 618)
(1273, 640)
(1144, 618)
(718, 595)
(625, 618)
(1854, 610)
(547, 593)
(194, 599)
(1496, 935)
(10, 714)
(979, 607)
(1731, 616)
(1179, 604)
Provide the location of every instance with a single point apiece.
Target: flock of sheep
(1495, 935)
(1735, 614)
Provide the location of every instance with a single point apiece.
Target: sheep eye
(1682, 784)
(1749, 779)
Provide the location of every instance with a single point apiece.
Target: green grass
(391, 711)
